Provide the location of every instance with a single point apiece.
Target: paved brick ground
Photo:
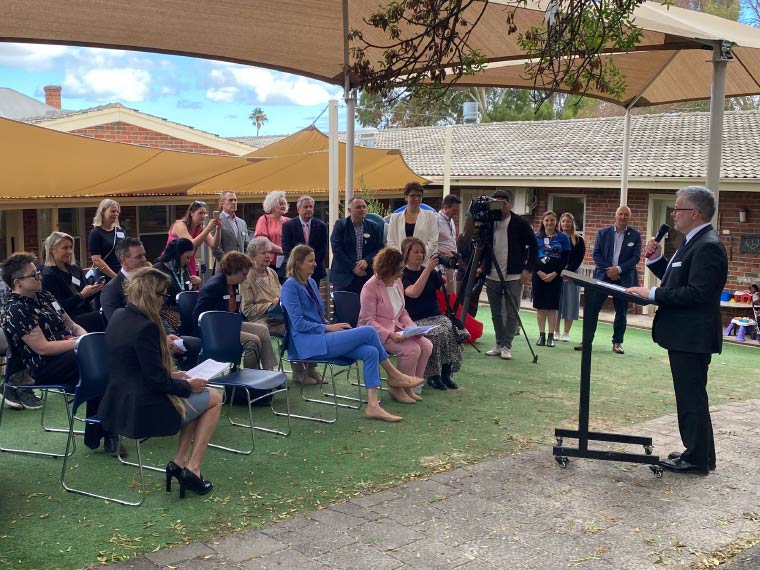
(523, 512)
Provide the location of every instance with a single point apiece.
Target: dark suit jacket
(213, 295)
(292, 235)
(112, 296)
(688, 317)
(65, 291)
(343, 243)
(630, 254)
(136, 402)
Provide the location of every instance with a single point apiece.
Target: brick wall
(127, 133)
(743, 268)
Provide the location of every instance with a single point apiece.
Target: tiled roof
(258, 142)
(665, 145)
(662, 146)
(16, 106)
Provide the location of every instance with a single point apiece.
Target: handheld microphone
(664, 228)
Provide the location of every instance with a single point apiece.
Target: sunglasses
(197, 204)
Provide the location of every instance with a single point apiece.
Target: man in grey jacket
(234, 229)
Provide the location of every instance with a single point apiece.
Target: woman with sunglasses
(191, 227)
(146, 396)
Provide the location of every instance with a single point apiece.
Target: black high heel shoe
(172, 470)
(189, 480)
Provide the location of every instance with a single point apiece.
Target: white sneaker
(565, 338)
(506, 354)
(495, 351)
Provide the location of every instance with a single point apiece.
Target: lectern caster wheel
(559, 441)
(657, 470)
(561, 461)
(648, 449)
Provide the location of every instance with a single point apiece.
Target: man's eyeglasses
(35, 275)
(684, 209)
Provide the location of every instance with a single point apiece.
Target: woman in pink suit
(382, 308)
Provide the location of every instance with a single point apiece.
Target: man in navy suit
(305, 229)
(688, 321)
(617, 250)
(355, 241)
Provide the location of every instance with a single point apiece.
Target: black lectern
(582, 434)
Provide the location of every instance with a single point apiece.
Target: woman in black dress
(553, 251)
(104, 236)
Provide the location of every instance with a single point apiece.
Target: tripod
(480, 251)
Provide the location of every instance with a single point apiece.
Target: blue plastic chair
(13, 364)
(328, 365)
(186, 301)
(220, 341)
(90, 351)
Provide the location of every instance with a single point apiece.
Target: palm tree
(258, 118)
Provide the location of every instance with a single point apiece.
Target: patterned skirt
(446, 349)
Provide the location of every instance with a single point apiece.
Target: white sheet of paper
(416, 330)
(208, 369)
(180, 343)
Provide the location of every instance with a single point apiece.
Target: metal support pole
(721, 55)
(626, 157)
(447, 160)
(350, 119)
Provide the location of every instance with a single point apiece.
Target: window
(153, 228)
(576, 205)
(68, 223)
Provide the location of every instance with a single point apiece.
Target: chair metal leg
(44, 407)
(31, 451)
(259, 428)
(358, 400)
(139, 460)
(250, 429)
(334, 403)
(70, 489)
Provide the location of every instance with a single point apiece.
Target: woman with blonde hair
(570, 298)
(270, 224)
(145, 396)
(191, 227)
(311, 337)
(66, 281)
(104, 236)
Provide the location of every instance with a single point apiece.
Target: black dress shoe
(677, 455)
(448, 382)
(189, 480)
(112, 445)
(541, 340)
(172, 470)
(550, 341)
(435, 382)
(681, 466)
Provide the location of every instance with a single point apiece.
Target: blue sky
(213, 96)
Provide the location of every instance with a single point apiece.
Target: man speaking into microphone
(688, 322)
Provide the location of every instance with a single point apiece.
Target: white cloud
(32, 57)
(254, 85)
(222, 95)
(108, 84)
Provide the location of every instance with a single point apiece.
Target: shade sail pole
(626, 157)
(332, 152)
(447, 160)
(350, 99)
(721, 55)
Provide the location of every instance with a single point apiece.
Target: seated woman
(261, 303)
(311, 337)
(67, 283)
(553, 253)
(420, 285)
(221, 293)
(382, 308)
(191, 227)
(145, 396)
(42, 335)
(175, 263)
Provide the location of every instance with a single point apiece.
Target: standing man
(234, 229)
(688, 321)
(355, 240)
(447, 235)
(515, 250)
(308, 230)
(617, 250)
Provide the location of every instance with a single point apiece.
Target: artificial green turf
(502, 407)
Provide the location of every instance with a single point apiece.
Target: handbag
(275, 314)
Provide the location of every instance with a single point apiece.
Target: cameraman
(447, 236)
(515, 250)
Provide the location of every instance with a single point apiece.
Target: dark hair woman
(191, 227)
(175, 262)
(145, 396)
(553, 252)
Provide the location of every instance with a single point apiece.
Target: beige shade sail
(299, 164)
(43, 163)
(306, 37)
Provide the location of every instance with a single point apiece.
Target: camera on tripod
(484, 210)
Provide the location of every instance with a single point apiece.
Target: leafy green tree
(258, 118)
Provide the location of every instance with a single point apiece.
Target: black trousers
(354, 287)
(689, 370)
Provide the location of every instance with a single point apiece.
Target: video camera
(485, 209)
(450, 261)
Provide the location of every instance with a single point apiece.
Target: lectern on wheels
(582, 434)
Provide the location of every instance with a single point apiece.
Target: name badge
(57, 307)
(676, 264)
(630, 244)
(75, 281)
(120, 235)
(237, 298)
(226, 297)
(366, 236)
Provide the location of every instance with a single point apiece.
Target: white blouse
(397, 302)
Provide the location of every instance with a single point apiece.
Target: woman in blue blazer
(312, 337)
